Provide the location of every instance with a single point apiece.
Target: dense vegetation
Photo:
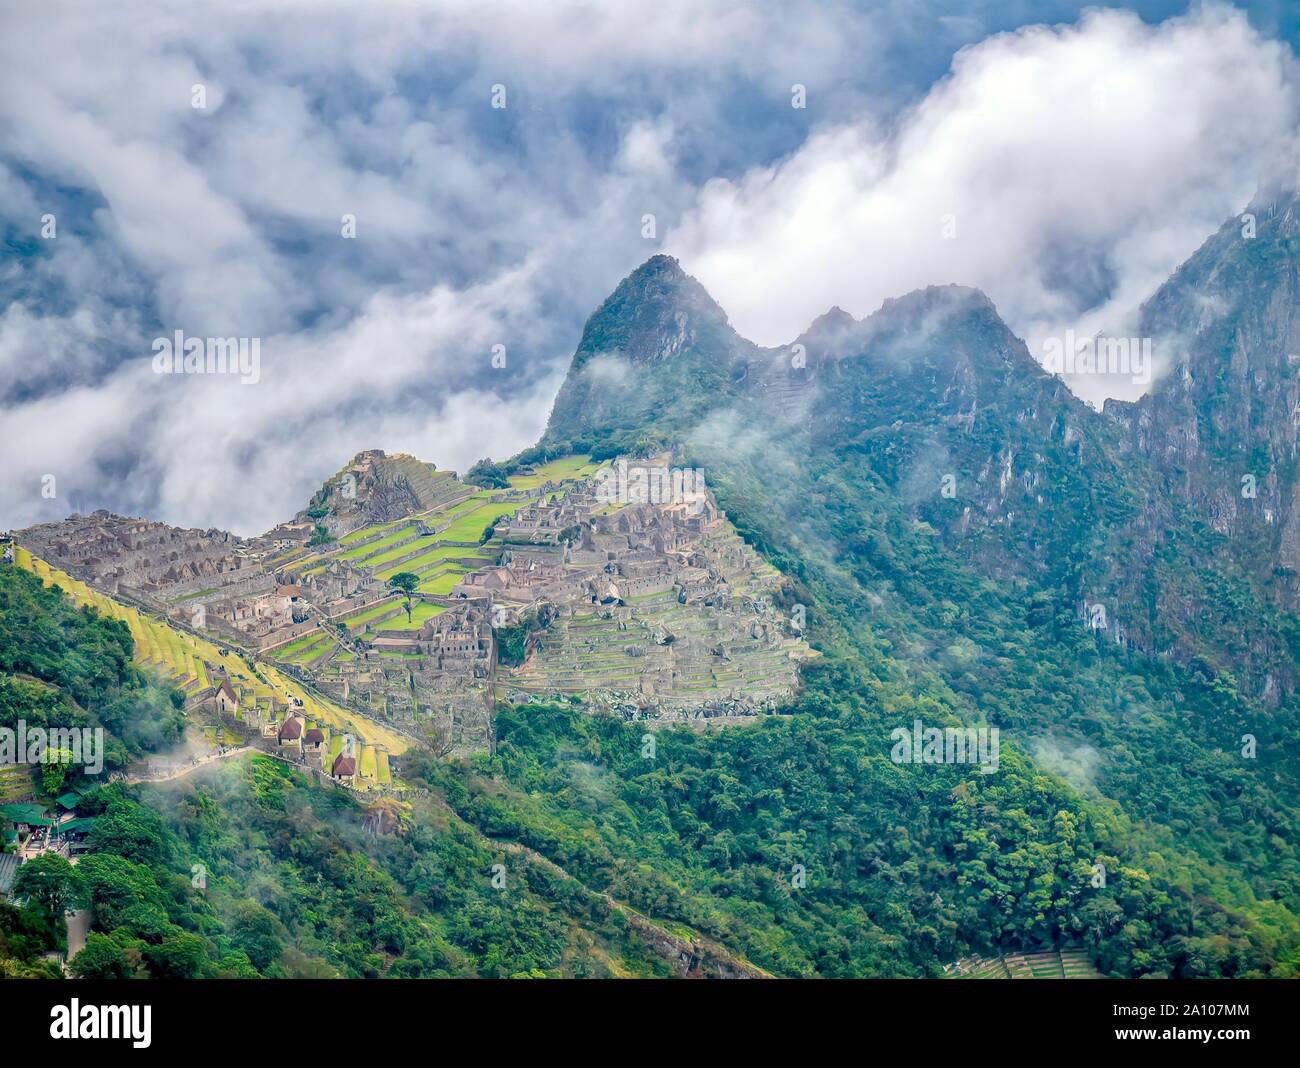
(250, 871)
(63, 666)
(1144, 806)
(902, 868)
(969, 606)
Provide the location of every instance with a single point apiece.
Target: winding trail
(78, 923)
(180, 773)
(693, 957)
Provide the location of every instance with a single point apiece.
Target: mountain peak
(836, 318)
(656, 312)
(660, 288)
(832, 332)
(660, 265)
(657, 339)
(945, 297)
(935, 309)
(375, 486)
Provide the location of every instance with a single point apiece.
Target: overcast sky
(1065, 163)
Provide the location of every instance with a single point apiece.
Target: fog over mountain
(484, 235)
(652, 490)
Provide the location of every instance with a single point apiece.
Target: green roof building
(32, 815)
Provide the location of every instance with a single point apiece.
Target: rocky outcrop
(377, 488)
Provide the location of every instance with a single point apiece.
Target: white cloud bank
(1080, 164)
(475, 227)
(1076, 167)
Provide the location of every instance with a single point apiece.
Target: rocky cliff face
(377, 488)
(931, 401)
(1220, 427)
(658, 352)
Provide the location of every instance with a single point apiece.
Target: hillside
(970, 534)
(661, 659)
(255, 868)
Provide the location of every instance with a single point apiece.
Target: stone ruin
(137, 556)
(649, 608)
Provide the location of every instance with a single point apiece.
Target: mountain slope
(972, 535)
(659, 349)
(966, 545)
(1221, 426)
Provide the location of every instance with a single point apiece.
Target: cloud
(1075, 761)
(1066, 171)
(475, 227)
(250, 455)
(479, 227)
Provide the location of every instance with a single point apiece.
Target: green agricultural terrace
(441, 583)
(368, 532)
(1046, 964)
(370, 548)
(438, 558)
(184, 659)
(568, 467)
(358, 620)
(419, 613)
(388, 548)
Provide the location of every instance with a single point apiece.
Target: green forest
(795, 842)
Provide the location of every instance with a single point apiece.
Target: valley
(675, 491)
(658, 658)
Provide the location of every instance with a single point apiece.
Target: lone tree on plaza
(406, 582)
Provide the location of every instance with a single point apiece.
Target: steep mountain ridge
(962, 542)
(962, 525)
(950, 411)
(933, 391)
(1222, 428)
(659, 348)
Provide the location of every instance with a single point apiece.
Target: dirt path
(692, 957)
(78, 924)
(180, 773)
